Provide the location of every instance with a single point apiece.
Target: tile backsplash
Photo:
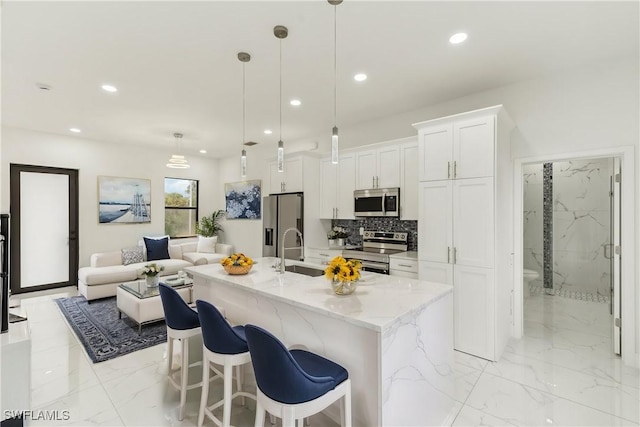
(378, 224)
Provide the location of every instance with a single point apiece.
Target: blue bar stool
(296, 384)
(223, 345)
(182, 324)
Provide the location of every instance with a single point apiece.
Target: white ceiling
(176, 69)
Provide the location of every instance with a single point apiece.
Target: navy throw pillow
(157, 248)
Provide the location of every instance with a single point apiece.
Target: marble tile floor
(561, 373)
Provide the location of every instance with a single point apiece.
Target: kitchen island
(394, 335)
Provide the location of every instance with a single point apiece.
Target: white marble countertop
(379, 303)
(413, 255)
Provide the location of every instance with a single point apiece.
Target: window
(180, 207)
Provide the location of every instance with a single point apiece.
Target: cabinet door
(346, 184)
(473, 224)
(473, 311)
(436, 153)
(328, 188)
(366, 169)
(436, 272)
(293, 175)
(435, 224)
(388, 174)
(473, 147)
(409, 181)
(275, 178)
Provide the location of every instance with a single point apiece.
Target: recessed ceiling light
(458, 38)
(360, 77)
(268, 131)
(203, 151)
(109, 88)
(295, 102)
(75, 130)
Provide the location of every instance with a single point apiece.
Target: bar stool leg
(169, 354)
(205, 391)
(184, 376)
(347, 407)
(239, 382)
(259, 415)
(228, 383)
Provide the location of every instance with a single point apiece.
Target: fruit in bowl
(237, 264)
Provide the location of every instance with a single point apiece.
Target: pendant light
(334, 131)
(177, 161)
(280, 32)
(244, 58)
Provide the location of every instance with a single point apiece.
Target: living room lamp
(177, 161)
(243, 57)
(280, 32)
(334, 131)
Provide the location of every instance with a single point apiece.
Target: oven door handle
(376, 265)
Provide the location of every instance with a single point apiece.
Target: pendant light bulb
(243, 164)
(334, 146)
(280, 156)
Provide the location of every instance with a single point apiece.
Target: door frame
(629, 292)
(14, 208)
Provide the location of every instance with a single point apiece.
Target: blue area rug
(102, 334)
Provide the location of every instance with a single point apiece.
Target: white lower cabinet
(436, 272)
(403, 267)
(474, 308)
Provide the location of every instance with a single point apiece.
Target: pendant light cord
(244, 102)
(335, 66)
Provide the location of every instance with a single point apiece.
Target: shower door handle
(608, 250)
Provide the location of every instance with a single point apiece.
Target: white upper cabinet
(435, 152)
(458, 150)
(409, 181)
(378, 168)
(289, 181)
(337, 183)
(473, 145)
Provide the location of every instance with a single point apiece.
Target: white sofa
(106, 271)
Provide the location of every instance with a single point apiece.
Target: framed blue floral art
(243, 199)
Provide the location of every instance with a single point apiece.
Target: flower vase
(153, 281)
(340, 241)
(344, 288)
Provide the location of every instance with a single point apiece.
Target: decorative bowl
(344, 288)
(237, 269)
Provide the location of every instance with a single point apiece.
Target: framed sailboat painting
(123, 200)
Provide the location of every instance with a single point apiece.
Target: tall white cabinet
(464, 227)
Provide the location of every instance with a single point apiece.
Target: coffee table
(142, 303)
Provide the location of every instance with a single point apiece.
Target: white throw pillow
(207, 244)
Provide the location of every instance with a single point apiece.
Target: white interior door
(44, 229)
(615, 270)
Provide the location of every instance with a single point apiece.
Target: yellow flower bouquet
(343, 274)
(237, 264)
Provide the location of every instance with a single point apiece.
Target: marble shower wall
(581, 225)
(533, 245)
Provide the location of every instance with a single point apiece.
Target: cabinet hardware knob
(448, 255)
(455, 167)
(448, 169)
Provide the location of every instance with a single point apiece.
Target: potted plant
(150, 273)
(337, 235)
(209, 226)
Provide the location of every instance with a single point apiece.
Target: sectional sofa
(107, 270)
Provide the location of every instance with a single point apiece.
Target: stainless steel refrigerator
(280, 212)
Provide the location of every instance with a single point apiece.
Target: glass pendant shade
(334, 146)
(178, 161)
(243, 164)
(280, 156)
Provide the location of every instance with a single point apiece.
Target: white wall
(94, 158)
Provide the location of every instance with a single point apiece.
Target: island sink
(307, 271)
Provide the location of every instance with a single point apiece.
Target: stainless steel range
(376, 248)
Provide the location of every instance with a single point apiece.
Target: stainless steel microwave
(377, 202)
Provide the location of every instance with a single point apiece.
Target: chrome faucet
(301, 247)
